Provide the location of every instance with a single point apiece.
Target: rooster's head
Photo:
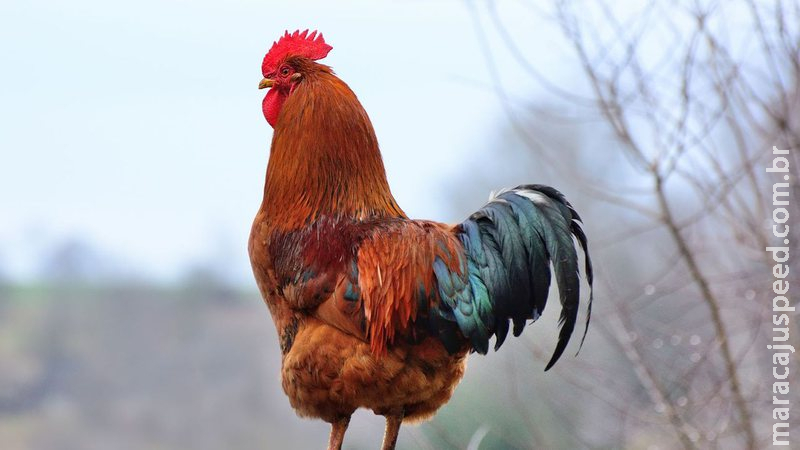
(285, 65)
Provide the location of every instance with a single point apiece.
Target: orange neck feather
(324, 159)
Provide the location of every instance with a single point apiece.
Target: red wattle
(272, 105)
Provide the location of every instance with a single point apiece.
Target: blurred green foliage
(127, 366)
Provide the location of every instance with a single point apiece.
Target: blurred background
(133, 157)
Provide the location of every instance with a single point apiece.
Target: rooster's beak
(265, 83)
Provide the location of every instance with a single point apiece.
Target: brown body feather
(341, 268)
(329, 374)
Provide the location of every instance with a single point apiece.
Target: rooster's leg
(338, 429)
(393, 421)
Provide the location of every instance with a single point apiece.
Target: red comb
(311, 46)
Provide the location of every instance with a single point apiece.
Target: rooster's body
(374, 310)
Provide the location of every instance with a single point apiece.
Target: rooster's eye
(285, 71)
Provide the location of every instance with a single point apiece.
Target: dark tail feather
(510, 245)
(581, 236)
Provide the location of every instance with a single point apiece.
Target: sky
(137, 126)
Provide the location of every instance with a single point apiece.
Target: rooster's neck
(325, 160)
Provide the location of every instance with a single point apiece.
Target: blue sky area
(137, 126)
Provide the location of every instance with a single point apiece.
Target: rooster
(375, 310)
